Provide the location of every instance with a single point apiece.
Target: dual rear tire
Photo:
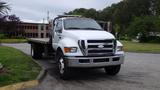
(36, 52)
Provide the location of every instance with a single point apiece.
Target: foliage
(4, 8)
(144, 27)
(2, 36)
(123, 13)
(90, 13)
(125, 37)
(156, 7)
(117, 29)
(8, 23)
(18, 66)
(1, 66)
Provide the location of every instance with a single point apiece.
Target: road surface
(139, 72)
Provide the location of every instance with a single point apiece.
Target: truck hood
(92, 35)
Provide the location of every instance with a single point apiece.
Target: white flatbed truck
(78, 42)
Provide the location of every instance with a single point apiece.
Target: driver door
(57, 33)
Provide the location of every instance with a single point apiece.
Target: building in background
(41, 30)
(33, 30)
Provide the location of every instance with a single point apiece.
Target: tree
(117, 30)
(4, 8)
(156, 6)
(144, 27)
(106, 13)
(10, 24)
(123, 13)
(79, 11)
(90, 13)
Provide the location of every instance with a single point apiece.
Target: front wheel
(62, 66)
(112, 70)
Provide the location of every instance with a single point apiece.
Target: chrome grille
(100, 47)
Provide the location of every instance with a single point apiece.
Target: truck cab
(80, 42)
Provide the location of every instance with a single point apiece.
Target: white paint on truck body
(70, 38)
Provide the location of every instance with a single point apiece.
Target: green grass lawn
(18, 67)
(141, 47)
(13, 40)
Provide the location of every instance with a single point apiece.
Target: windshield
(81, 24)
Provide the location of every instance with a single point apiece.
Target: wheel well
(58, 50)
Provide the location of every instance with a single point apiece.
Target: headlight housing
(70, 49)
(119, 48)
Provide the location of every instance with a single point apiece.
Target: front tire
(62, 66)
(112, 70)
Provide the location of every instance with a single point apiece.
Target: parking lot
(139, 72)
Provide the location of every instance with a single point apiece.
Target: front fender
(67, 42)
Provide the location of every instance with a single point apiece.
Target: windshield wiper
(92, 28)
(73, 28)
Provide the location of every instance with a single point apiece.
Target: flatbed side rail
(39, 40)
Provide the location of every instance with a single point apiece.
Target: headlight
(70, 49)
(119, 48)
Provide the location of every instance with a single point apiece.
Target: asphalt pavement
(141, 71)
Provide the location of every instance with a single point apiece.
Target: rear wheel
(50, 39)
(62, 66)
(36, 52)
(112, 70)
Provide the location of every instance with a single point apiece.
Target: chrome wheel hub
(61, 66)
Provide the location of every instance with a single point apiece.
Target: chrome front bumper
(86, 62)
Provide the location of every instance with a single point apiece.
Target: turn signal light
(70, 49)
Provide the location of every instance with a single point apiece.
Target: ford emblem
(100, 46)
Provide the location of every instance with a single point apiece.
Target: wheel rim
(61, 65)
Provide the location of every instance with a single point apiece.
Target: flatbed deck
(39, 40)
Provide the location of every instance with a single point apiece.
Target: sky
(36, 10)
